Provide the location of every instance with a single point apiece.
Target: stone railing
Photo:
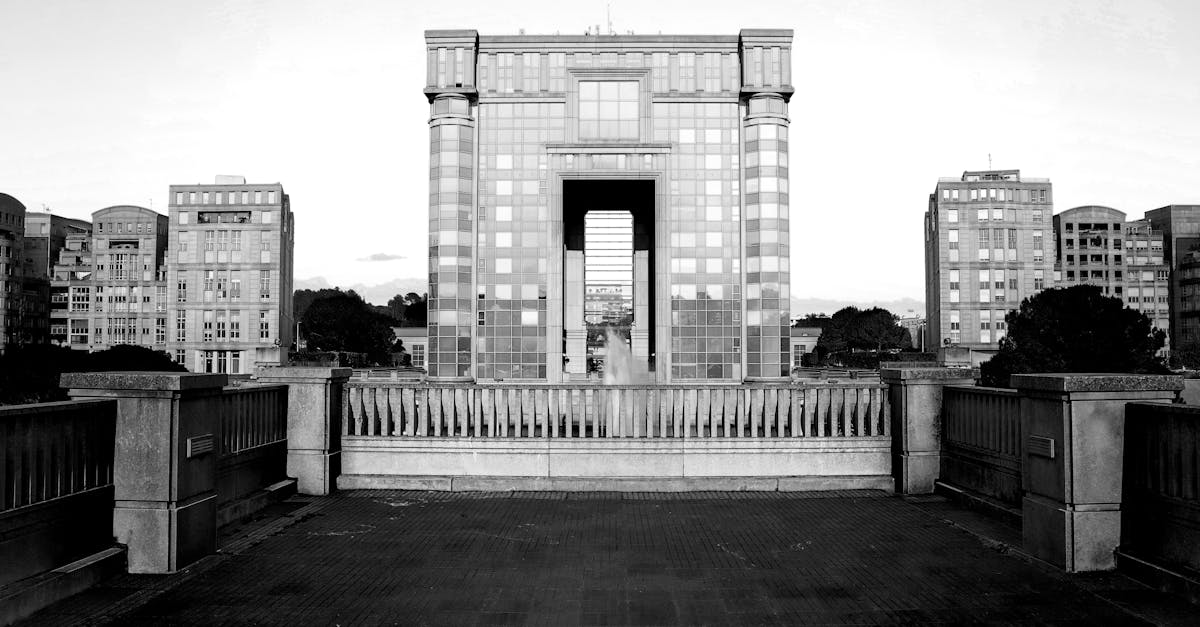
(815, 410)
(1160, 513)
(622, 437)
(253, 443)
(981, 442)
(56, 485)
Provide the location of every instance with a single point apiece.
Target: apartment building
(71, 293)
(1180, 227)
(229, 275)
(45, 237)
(988, 245)
(12, 236)
(1125, 259)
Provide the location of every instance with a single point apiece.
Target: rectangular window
(952, 215)
(264, 326)
(608, 110)
(1039, 279)
(264, 285)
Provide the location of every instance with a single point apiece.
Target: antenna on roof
(989, 161)
(608, 18)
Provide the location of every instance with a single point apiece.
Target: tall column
(164, 463)
(765, 237)
(452, 204)
(576, 330)
(639, 336)
(1072, 460)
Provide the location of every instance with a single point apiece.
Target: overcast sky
(105, 103)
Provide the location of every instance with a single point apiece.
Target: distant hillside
(375, 294)
(902, 307)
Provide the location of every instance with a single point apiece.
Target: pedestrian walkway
(850, 557)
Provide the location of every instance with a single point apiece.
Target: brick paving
(386, 557)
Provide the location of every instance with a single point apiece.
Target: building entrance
(608, 228)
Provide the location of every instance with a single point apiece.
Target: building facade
(989, 244)
(229, 275)
(45, 237)
(1097, 246)
(71, 293)
(688, 135)
(1180, 227)
(12, 238)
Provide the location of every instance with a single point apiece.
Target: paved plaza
(851, 557)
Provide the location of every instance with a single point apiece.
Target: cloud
(382, 257)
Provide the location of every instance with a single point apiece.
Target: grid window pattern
(703, 246)
(513, 235)
(768, 272)
(608, 110)
(451, 199)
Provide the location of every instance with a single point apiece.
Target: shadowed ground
(859, 557)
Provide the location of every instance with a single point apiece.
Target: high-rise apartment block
(12, 238)
(989, 243)
(534, 137)
(229, 275)
(45, 237)
(1097, 246)
(1180, 227)
(108, 283)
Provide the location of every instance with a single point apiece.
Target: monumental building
(637, 182)
(229, 275)
(989, 244)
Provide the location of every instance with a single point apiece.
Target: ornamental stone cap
(141, 380)
(925, 372)
(1097, 382)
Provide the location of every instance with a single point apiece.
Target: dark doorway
(609, 221)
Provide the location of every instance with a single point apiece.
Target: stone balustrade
(421, 409)
(596, 437)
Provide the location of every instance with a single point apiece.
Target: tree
(343, 321)
(812, 320)
(853, 329)
(875, 329)
(1075, 329)
(835, 336)
(30, 373)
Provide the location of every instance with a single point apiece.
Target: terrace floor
(850, 557)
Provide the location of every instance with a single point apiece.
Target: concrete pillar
(314, 424)
(164, 463)
(1072, 454)
(573, 313)
(915, 395)
(640, 335)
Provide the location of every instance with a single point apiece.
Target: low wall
(981, 442)
(253, 441)
(676, 437)
(56, 485)
(1160, 513)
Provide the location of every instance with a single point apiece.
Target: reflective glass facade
(699, 123)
